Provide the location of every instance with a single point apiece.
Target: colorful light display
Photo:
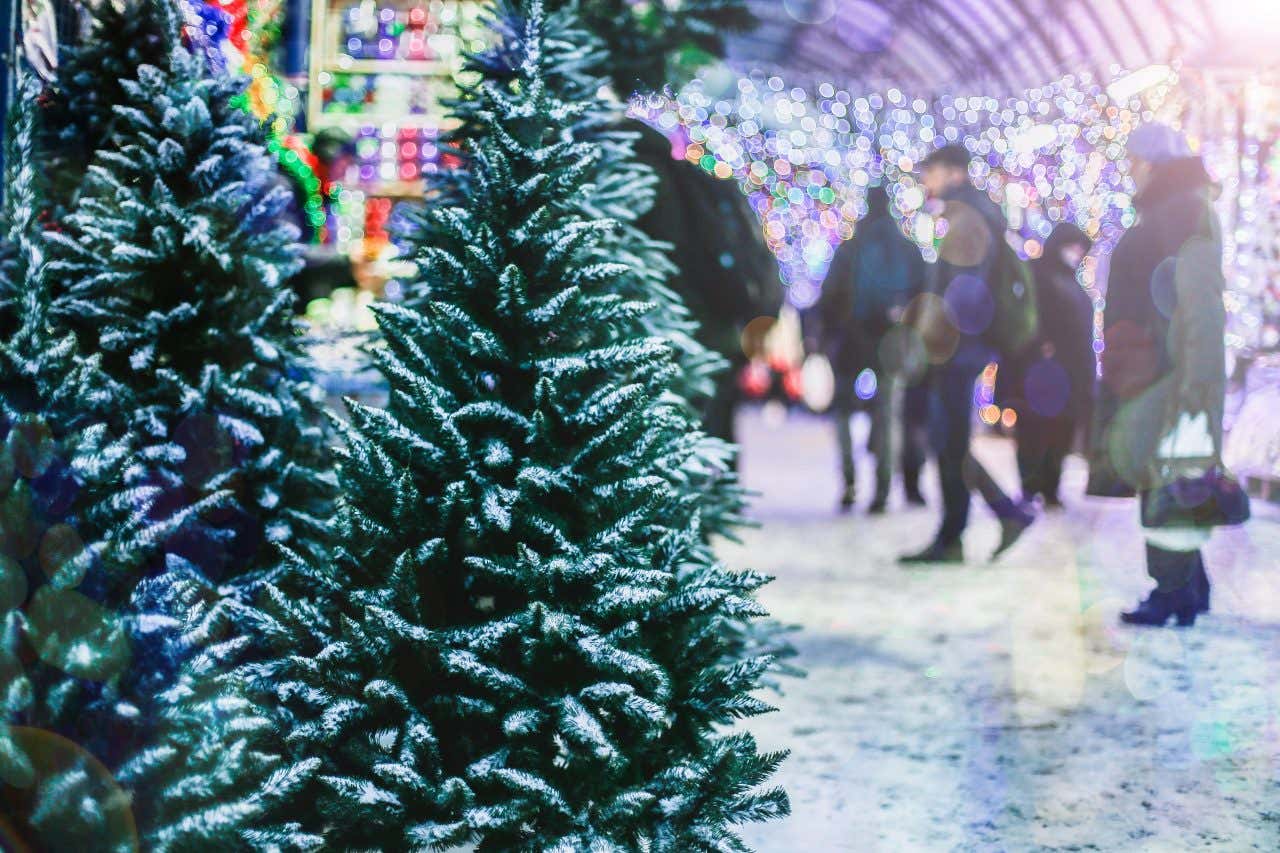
(380, 70)
(240, 35)
(1234, 118)
(806, 154)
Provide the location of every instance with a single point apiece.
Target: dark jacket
(727, 274)
(1163, 329)
(1055, 374)
(968, 255)
(872, 277)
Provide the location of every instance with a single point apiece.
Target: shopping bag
(1198, 491)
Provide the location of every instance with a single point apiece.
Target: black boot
(936, 553)
(1183, 604)
(881, 501)
(1013, 524)
(1200, 583)
(848, 497)
(914, 498)
(1178, 569)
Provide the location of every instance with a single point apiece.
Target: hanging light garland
(239, 35)
(805, 156)
(1235, 124)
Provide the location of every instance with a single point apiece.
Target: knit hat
(1158, 143)
(954, 155)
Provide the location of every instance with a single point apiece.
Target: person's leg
(1055, 457)
(978, 478)
(1181, 591)
(1171, 570)
(1031, 454)
(915, 439)
(949, 438)
(882, 439)
(1014, 516)
(1200, 583)
(950, 430)
(842, 411)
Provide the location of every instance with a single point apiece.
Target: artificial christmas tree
(77, 524)
(513, 648)
(724, 273)
(594, 49)
(157, 280)
(171, 264)
(63, 508)
(78, 107)
(622, 188)
(651, 46)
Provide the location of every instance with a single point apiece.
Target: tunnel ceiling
(987, 45)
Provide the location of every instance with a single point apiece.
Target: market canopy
(1000, 45)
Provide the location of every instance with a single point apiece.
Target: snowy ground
(1001, 707)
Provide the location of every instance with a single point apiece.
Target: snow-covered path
(1001, 707)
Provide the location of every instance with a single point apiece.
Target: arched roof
(997, 46)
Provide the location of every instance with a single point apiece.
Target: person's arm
(1199, 322)
(835, 302)
(968, 244)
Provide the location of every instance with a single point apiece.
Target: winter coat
(1163, 330)
(727, 274)
(1054, 375)
(968, 258)
(872, 278)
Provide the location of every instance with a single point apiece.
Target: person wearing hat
(1164, 355)
(954, 321)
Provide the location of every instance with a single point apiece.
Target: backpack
(883, 278)
(1015, 321)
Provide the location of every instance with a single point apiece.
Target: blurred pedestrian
(979, 305)
(872, 279)
(1163, 366)
(726, 274)
(1050, 383)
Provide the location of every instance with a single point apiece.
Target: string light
(805, 156)
(239, 35)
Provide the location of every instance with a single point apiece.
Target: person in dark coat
(1050, 384)
(953, 321)
(872, 279)
(727, 276)
(1164, 354)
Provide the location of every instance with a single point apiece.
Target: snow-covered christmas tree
(78, 107)
(512, 648)
(155, 347)
(78, 525)
(171, 265)
(598, 51)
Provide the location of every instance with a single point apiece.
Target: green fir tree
(78, 107)
(77, 524)
(172, 266)
(583, 69)
(622, 188)
(652, 46)
(155, 288)
(517, 646)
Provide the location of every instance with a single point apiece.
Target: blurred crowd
(1148, 413)
(916, 346)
